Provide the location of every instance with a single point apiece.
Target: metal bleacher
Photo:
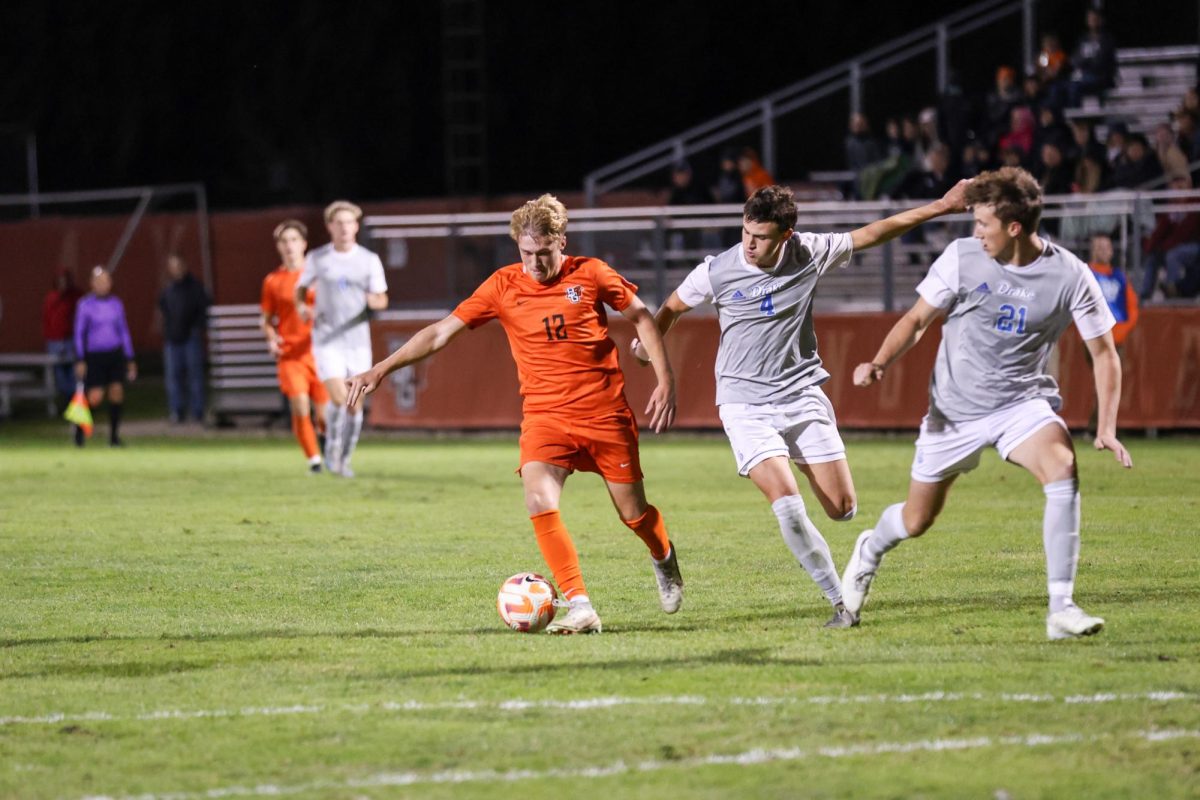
(241, 379)
(1151, 82)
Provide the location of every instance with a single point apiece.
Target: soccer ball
(526, 602)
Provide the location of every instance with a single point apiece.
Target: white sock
(1060, 536)
(353, 427)
(888, 533)
(333, 434)
(808, 545)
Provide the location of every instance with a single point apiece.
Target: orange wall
(473, 382)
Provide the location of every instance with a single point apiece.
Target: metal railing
(656, 246)
(848, 75)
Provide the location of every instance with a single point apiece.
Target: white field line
(593, 703)
(748, 758)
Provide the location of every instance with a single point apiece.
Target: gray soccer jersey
(768, 349)
(342, 281)
(1001, 323)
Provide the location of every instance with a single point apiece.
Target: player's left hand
(661, 408)
(360, 386)
(867, 373)
(1118, 449)
(955, 200)
(131, 371)
(639, 351)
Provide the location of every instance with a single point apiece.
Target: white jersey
(1001, 323)
(768, 350)
(343, 281)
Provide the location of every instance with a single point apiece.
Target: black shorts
(104, 367)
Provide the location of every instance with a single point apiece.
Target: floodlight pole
(31, 171)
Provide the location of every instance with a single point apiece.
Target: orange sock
(651, 529)
(559, 552)
(303, 428)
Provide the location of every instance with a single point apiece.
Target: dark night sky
(273, 102)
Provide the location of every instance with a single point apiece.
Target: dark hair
(1012, 193)
(772, 204)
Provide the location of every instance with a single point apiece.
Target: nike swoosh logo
(626, 464)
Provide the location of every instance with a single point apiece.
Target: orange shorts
(606, 445)
(298, 376)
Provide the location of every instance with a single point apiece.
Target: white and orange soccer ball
(526, 602)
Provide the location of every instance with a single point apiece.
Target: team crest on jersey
(574, 293)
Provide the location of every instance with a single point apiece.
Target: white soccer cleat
(580, 618)
(345, 470)
(856, 580)
(1070, 623)
(670, 582)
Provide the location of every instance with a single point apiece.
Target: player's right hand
(360, 386)
(867, 373)
(80, 369)
(305, 311)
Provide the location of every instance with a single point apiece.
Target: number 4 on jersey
(766, 306)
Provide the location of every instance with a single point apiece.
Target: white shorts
(340, 362)
(947, 448)
(803, 429)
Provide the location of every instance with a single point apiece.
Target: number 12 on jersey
(1008, 313)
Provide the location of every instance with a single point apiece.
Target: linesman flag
(78, 411)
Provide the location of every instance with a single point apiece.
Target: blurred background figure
(104, 350)
(728, 186)
(754, 175)
(861, 147)
(1118, 293)
(58, 320)
(183, 306)
(1094, 61)
(1174, 244)
(1137, 165)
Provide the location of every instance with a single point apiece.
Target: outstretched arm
(668, 314)
(423, 344)
(907, 331)
(885, 230)
(377, 301)
(1106, 367)
(661, 408)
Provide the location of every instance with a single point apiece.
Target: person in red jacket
(1175, 244)
(58, 326)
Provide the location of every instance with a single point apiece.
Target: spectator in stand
(976, 158)
(861, 147)
(1011, 157)
(955, 115)
(183, 306)
(683, 191)
(1114, 144)
(728, 187)
(1174, 244)
(1084, 143)
(910, 133)
(1020, 132)
(893, 140)
(58, 320)
(999, 103)
(1032, 93)
(1094, 61)
(927, 125)
(1089, 175)
(754, 175)
(933, 181)
(1186, 134)
(104, 350)
(1170, 157)
(1053, 70)
(1050, 128)
(1055, 174)
(1137, 165)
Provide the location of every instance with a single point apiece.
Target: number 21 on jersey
(1011, 319)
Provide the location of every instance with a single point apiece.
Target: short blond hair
(342, 205)
(546, 216)
(291, 225)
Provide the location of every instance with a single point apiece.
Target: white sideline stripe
(747, 758)
(591, 704)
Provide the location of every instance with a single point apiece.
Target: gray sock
(334, 429)
(1060, 535)
(808, 545)
(353, 427)
(888, 533)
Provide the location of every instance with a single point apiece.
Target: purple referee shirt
(100, 326)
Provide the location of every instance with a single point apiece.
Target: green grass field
(196, 619)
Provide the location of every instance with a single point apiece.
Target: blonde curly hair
(545, 216)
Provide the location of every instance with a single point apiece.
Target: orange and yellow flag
(78, 411)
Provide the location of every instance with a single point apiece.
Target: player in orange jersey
(290, 339)
(551, 306)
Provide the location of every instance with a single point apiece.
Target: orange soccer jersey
(558, 333)
(279, 301)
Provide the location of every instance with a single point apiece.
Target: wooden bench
(242, 380)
